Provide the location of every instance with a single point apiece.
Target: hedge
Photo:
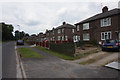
(63, 48)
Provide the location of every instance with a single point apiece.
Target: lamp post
(19, 30)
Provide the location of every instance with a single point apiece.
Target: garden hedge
(63, 48)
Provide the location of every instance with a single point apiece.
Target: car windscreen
(20, 40)
(110, 41)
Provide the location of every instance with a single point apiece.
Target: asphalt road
(53, 67)
(8, 60)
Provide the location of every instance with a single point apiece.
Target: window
(47, 34)
(77, 27)
(58, 38)
(62, 30)
(66, 38)
(62, 38)
(58, 31)
(106, 22)
(85, 26)
(86, 36)
(76, 38)
(105, 35)
(53, 32)
(73, 30)
(53, 39)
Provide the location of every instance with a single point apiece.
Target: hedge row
(63, 48)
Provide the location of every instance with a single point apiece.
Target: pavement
(9, 64)
(53, 67)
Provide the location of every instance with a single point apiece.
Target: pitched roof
(101, 15)
(66, 26)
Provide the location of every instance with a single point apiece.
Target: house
(100, 27)
(64, 32)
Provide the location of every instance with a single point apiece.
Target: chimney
(104, 9)
(64, 23)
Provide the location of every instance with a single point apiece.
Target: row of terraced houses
(105, 25)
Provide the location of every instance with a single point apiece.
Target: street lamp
(19, 30)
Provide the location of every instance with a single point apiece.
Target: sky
(35, 16)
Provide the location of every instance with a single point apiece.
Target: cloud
(35, 17)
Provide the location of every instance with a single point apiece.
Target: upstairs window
(53, 32)
(73, 30)
(85, 26)
(59, 31)
(62, 30)
(105, 22)
(77, 27)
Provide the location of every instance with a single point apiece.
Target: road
(53, 67)
(8, 60)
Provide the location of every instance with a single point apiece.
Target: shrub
(63, 48)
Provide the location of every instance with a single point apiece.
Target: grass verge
(66, 57)
(29, 53)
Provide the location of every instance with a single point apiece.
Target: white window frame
(53, 38)
(105, 22)
(53, 32)
(85, 26)
(78, 27)
(59, 38)
(62, 38)
(66, 38)
(106, 34)
(87, 38)
(59, 31)
(63, 30)
(73, 30)
(76, 38)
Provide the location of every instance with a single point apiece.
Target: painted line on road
(20, 69)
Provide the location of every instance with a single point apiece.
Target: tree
(20, 35)
(7, 30)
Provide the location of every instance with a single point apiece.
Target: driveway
(54, 67)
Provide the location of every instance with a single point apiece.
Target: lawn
(66, 57)
(29, 53)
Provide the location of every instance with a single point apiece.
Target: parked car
(111, 44)
(20, 42)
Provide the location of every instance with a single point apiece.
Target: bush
(30, 42)
(63, 48)
(94, 42)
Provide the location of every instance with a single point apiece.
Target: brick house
(101, 26)
(64, 32)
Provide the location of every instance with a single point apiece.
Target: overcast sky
(35, 16)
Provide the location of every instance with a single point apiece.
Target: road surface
(8, 60)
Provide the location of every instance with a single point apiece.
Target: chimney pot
(64, 23)
(105, 9)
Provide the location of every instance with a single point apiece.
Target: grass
(29, 53)
(66, 57)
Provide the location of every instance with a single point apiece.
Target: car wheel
(103, 49)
